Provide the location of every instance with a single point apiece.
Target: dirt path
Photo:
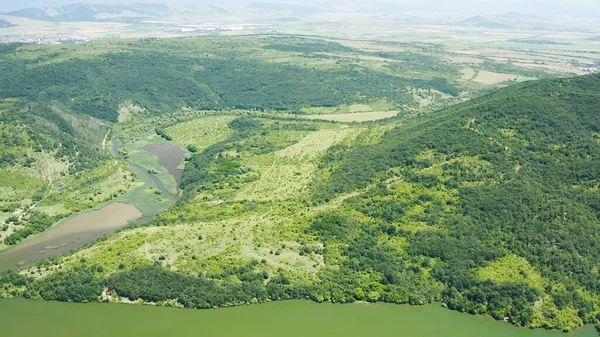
(104, 140)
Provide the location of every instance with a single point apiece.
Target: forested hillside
(232, 73)
(508, 188)
(49, 161)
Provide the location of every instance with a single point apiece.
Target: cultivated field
(488, 77)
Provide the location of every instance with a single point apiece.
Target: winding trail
(104, 140)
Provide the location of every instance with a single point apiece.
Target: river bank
(78, 229)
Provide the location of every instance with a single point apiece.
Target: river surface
(23, 318)
(69, 233)
(159, 184)
(169, 156)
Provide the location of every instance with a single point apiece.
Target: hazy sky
(587, 8)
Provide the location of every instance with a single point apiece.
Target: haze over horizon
(575, 8)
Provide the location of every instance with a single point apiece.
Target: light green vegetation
(129, 111)
(288, 318)
(381, 105)
(89, 188)
(201, 132)
(223, 242)
(145, 196)
(355, 117)
(16, 187)
(488, 77)
(286, 173)
(512, 268)
(232, 233)
(261, 217)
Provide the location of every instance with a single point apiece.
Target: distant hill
(479, 21)
(4, 24)
(94, 13)
(488, 24)
(475, 19)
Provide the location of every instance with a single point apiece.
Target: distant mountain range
(94, 13)
(262, 12)
(132, 13)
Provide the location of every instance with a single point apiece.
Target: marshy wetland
(81, 228)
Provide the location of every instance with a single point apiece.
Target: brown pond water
(169, 157)
(69, 234)
(159, 184)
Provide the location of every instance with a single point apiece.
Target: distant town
(45, 39)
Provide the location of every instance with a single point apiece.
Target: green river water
(24, 318)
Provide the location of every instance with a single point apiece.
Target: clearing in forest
(511, 268)
(285, 173)
(355, 117)
(201, 132)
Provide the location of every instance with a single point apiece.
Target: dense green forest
(44, 127)
(165, 75)
(489, 206)
(529, 188)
